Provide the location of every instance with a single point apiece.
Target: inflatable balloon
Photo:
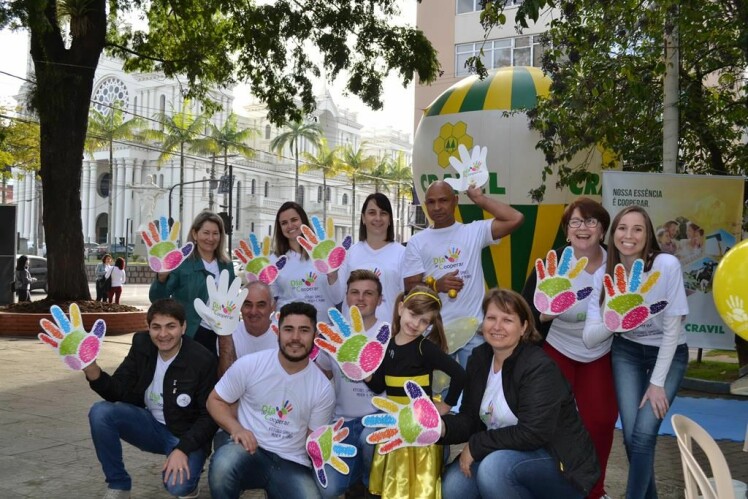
(491, 113)
(730, 288)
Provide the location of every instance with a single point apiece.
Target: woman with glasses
(588, 370)
(649, 361)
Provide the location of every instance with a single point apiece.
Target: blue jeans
(234, 470)
(112, 422)
(463, 354)
(632, 367)
(509, 474)
(337, 483)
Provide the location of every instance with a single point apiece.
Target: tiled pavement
(46, 450)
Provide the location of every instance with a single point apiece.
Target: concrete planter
(20, 324)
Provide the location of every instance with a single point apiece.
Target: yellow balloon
(730, 289)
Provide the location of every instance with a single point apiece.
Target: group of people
(533, 396)
(110, 277)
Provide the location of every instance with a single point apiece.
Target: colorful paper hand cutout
(77, 348)
(471, 167)
(325, 253)
(163, 253)
(625, 308)
(414, 425)
(324, 447)
(555, 292)
(223, 308)
(256, 262)
(357, 355)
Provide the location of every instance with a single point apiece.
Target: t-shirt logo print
(453, 254)
(283, 412)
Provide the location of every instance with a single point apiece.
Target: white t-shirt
(436, 252)
(279, 408)
(300, 281)
(352, 398)
(565, 334)
(494, 411)
(245, 343)
(669, 287)
(386, 262)
(154, 394)
(118, 276)
(211, 267)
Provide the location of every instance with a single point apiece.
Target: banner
(697, 218)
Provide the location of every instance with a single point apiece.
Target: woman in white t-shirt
(377, 251)
(299, 280)
(649, 362)
(588, 370)
(117, 273)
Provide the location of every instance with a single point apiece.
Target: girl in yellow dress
(413, 472)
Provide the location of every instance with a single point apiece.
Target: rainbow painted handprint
(77, 348)
(416, 424)
(357, 354)
(625, 308)
(222, 311)
(257, 265)
(555, 292)
(163, 253)
(471, 167)
(282, 412)
(324, 447)
(454, 254)
(325, 253)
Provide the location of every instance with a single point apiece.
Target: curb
(702, 385)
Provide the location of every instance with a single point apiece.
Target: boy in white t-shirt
(353, 398)
(281, 398)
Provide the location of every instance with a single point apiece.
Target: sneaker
(192, 495)
(116, 494)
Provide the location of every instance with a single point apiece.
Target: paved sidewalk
(46, 450)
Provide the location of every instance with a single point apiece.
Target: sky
(398, 101)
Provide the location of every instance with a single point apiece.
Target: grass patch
(712, 370)
(721, 353)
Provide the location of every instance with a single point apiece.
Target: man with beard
(281, 398)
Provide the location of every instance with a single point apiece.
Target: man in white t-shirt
(253, 333)
(281, 398)
(353, 398)
(450, 252)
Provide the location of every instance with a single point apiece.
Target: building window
(104, 184)
(518, 51)
(327, 194)
(267, 189)
(161, 180)
(300, 195)
(252, 187)
(267, 132)
(252, 227)
(345, 199)
(237, 217)
(465, 6)
(162, 109)
(319, 194)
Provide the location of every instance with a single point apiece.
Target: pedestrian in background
(23, 279)
(101, 270)
(117, 273)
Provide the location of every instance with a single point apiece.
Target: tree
(326, 160)
(297, 130)
(401, 173)
(19, 148)
(354, 164)
(207, 43)
(103, 130)
(180, 129)
(381, 172)
(224, 139)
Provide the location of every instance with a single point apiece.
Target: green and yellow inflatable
(489, 113)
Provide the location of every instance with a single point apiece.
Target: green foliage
(179, 129)
(105, 129)
(19, 146)
(713, 370)
(325, 160)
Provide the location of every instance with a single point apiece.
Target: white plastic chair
(722, 486)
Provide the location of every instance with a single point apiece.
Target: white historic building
(141, 188)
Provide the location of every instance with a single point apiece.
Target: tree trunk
(181, 188)
(353, 208)
(296, 176)
(110, 202)
(64, 81)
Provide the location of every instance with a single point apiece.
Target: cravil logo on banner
(490, 113)
(698, 219)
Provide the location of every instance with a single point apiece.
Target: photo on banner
(697, 218)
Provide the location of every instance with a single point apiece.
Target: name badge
(183, 400)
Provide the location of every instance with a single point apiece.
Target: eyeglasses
(591, 222)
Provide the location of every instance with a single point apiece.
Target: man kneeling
(281, 398)
(156, 401)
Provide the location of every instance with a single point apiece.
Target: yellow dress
(408, 473)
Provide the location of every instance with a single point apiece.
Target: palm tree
(354, 164)
(103, 130)
(177, 131)
(297, 130)
(381, 172)
(401, 173)
(328, 162)
(224, 139)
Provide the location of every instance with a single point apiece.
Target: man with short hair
(281, 398)
(353, 398)
(450, 253)
(253, 333)
(155, 400)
